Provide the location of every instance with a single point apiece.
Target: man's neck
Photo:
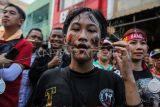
(137, 65)
(81, 67)
(104, 63)
(9, 31)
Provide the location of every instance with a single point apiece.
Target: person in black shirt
(137, 40)
(82, 84)
(51, 58)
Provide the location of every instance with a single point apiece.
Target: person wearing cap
(155, 55)
(137, 41)
(104, 56)
(148, 61)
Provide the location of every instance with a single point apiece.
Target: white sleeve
(11, 73)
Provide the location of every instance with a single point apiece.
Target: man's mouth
(5, 20)
(82, 47)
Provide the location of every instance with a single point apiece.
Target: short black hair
(97, 14)
(37, 29)
(20, 11)
(57, 28)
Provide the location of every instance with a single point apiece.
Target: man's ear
(21, 21)
(65, 41)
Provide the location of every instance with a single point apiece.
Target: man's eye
(143, 43)
(91, 30)
(4, 11)
(12, 13)
(75, 29)
(133, 43)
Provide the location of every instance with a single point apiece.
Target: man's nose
(138, 45)
(83, 36)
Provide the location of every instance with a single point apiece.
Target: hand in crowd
(55, 61)
(4, 61)
(124, 60)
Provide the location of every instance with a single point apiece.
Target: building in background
(39, 15)
(3, 3)
(121, 15)
(20, 4)
(144, 14)
(47, 14)
(62, 7)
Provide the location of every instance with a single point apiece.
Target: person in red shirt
(15, 52)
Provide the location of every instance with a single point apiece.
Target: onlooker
(81, 84)
(18, 52)
(52, 58)
(148, 61)
(137, 40)
(104, 56)
(36, 37)
(155, 55)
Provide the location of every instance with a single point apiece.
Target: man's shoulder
(54, 72)
(108, 74)
(24, 42)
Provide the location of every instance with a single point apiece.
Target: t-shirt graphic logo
(106, 97)
(49, 93)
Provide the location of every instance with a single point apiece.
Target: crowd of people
(80, 66)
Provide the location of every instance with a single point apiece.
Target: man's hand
(124, 60)
(55, 61)
(4, 62)
(125, 65)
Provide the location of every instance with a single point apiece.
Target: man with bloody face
(82, 84)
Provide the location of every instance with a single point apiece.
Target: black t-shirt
(40, 65)
(142, 79)
(65, 87)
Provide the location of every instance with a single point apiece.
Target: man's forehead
(57, 32)
(87, 16)
(35, 32)
(11, 8)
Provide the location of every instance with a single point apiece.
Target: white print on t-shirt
(106, 97)
(146, 95)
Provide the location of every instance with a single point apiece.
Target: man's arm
(38, 67)
(4, 62)
(124, 62)
(11, 73)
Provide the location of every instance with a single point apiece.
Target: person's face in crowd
(146, 58)
(36, 38)
(156, 61)
(11, 17)
(105, 53)
(138, 48)
(56, 39)
(83, 35)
